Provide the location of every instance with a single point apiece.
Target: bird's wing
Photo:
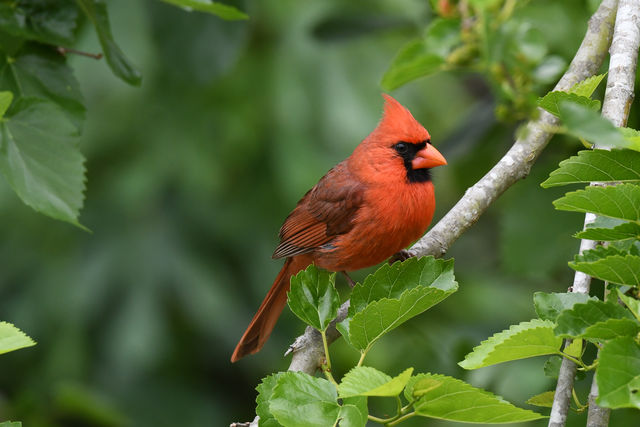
(326, 211)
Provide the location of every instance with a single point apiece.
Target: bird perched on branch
(364, 210)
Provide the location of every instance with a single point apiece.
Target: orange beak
(428, 157)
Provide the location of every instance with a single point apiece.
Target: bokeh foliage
(189, 177)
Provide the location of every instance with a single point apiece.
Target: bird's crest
(397, 124)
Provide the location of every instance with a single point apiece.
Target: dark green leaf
(221, 10)
(527, 339)
(618, 374)
(551, 101)
(550, 305)
(587, 124)
(96, 11)
(597, 165)
(300, 400)
(412, 62)
(383, 315)
(313, 297)
(367, 381)
(47, 21)
(626, 230)
(619, 201)
(596, 319)
(587, 86)
(455, 400)
(12, 338)
(543, 400)
(610, 265)
(40, 159)
(265, 391)
(632, 304)
(42, 73)
(6, 98)
(390, 281)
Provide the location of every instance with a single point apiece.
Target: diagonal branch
(516, 164)
(617, 102)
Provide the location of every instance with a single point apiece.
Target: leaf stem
(574, 360)
(580, 406)
(402, 418)
(327, 367)
(362, 356)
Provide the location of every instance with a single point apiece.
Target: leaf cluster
(386, 299)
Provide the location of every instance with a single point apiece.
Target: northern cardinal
(364, 210)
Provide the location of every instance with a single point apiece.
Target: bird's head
(399, 146)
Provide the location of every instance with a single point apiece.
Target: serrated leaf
(455, 400)
(40, 159)
(52, 22)
(313, 297)
(549, 305)
(300, 400)
(632, 304)
(597, 165)
(265, 391)
(551, 101)
(624, 231)
(543, 400)
(583, 122)
(619, 201)
(384, 315)
(221, 10)
(618, 374)
(423, 386)
(96, 11)
(42, 73)
(527, 339)
(12, 338)
(367, 381)
(587, 86)
(596, 319)
(610, 266)
(390, 281)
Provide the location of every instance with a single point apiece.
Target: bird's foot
(403, 255)
(350, 281)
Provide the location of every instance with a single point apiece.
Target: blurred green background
(189, 179)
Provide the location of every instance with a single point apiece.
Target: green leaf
(619, 201)
(550, 305)
(390, 281)
(40, 159)
(624, 231)
(221, 10)
(596, 319)
(544, 400)
(551, 101)
(412, 62)
(610, 265)
(585, 123)
(381, 316)
(587, 86)
(12, 338)
(348, 417)
(42, 73)
(597, 165)
(632, 304)
(366, 381)
(96, 11)
(49, 22)
(11, 424)
(313, 297)
(300, 400)
(618, 374)
(455, 400)
(265, 391)
(527, 339)
(6, 98)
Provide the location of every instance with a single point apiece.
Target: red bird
(364, 210)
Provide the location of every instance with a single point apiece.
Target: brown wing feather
(325, 212)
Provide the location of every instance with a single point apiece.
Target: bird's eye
(401, 147)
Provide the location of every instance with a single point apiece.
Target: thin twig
(515, 165)
(64, 50)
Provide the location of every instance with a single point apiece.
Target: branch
(617, 102)
(515, 165)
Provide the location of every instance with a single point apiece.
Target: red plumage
(364, 210)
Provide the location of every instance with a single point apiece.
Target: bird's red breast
(363, 211)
